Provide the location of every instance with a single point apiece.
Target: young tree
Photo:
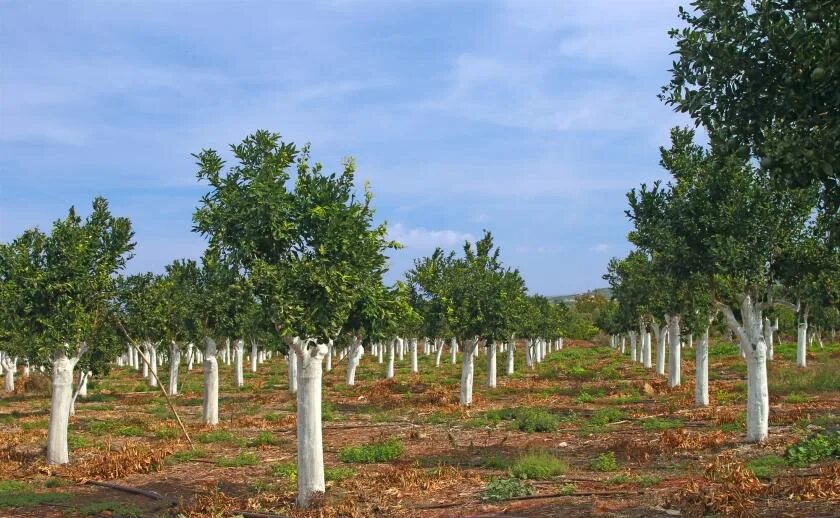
(306, 250)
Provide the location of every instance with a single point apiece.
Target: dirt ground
(670, 459)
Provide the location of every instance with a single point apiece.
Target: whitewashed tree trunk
(647, 353)
(84, 376)
(293, 372)
(238, 367)
(211, 383)
(438, 352)
(661, 335)
(632, 335)
(174, 364)
(190, 356)
(623, 345)
(389, 369)
(26, 369)
(468, 371)
(145, 360)
(353, 358)
(401, 348)
(413, 352)
(310, 444)
(453, 349)
(491, 365)
(675, 352)
(62, 394)
(329, 357)
(9, 374)
(801, 336)
(751, 337)
(255, 355)
(701, 370)
(511, 351)
(153, 365)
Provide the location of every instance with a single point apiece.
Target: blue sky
(531, 119)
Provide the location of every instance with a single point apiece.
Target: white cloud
(600, 248)
(424, 239)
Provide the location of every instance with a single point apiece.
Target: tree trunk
(438, 352)
(453, 349)
(238, 368)
(255, 355)
(401, 348)
(674, 355)
(145, 360)
(413, 347)
(491, 365)
(153, 366)
(801, 337)
(468, 371)
(623, 345)
(293, 372)
(356, 353)
(329, 357)
(751, 338)
(701, 370)
(211, 383)
(190, 356)
(9, 374)
(174, 363)
(646, 351)
(511, 351)
(310, 444)
(389, 369)
(62, 394)
(632, 335)
(661, 335)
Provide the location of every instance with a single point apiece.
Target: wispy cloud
(422, 239)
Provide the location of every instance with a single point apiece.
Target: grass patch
(215, 436)
(538, 466)
(264, 438)
(529, 420)
(505, 488)
(167, 433)
(766, 466)
(656, 423)
(14, 493)
(186, 455)
(797, 398)
(384, 451)
(605, 462)
(40, 424)
(286, 470)
(338, 473)
(115, 509)
(243, 459)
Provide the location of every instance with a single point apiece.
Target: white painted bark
(438, 352)
(491, 365)
(255, 355)
(751, 337)
(623, 345)
(632, 335)
(468, 372)
(211, 383)
(153, 366)
(389, 369)
(83, 382)
(145, 360)
(238, 367)
(701, 370)
(293, 372)
(328, 358)
(661, 336)
(675, 352)
(227, 355)
(511, 351)
(647, 353)
(62, 393)
(9, 374)
(353, 358)
(174, 364)
(310, 444)
(26, 369)
(453, 349)
(401, 348)
(413, 353)
(529, 348)
(801, 336)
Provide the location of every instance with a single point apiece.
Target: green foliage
(264, 438)
(285, 470)
(819, 447)
(501, 489)
(538, 466)
(384, 451)
(117, 509)
(14, 493)
(605, 462)
(527, 419)
(187, 455)
(243, 459)
(338, 473)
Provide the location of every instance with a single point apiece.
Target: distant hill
(568, 299)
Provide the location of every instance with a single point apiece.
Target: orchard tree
(306, 247)
(720, 226)
(763, 78)
(61, 287)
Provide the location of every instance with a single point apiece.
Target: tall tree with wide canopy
(306, 249)
(763, 77)
(723, 222)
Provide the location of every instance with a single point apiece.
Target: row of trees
(749, 221)
(294, 264)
